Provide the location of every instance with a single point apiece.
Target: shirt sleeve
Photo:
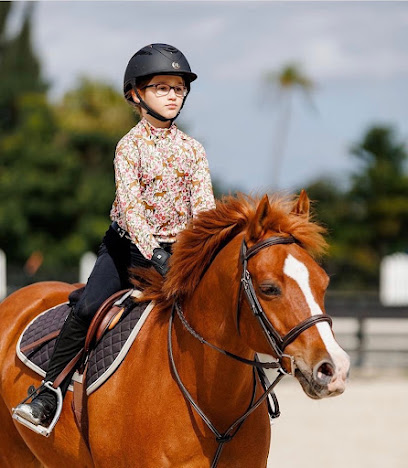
(202, 197)
(128, 195)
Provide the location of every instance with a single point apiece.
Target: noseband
(275, 340)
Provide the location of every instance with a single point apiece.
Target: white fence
(3, 275)
(394, 280)
(86, 264)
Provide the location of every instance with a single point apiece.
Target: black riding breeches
(110, 273)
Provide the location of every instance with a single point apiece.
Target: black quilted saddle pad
(48, 322)
(103, 360)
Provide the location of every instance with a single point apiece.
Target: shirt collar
(155, 133)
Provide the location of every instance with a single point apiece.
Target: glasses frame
(155, 85)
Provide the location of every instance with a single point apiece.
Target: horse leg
(13, 450)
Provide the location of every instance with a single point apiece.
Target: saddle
(107, 316)
(110, 335)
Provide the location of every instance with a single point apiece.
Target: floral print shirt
(162, 181)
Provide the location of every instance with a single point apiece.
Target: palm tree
(284, 83)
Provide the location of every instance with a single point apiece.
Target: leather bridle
(275, 340)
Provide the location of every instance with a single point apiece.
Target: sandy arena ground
(366, 427)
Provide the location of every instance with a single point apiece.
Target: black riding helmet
(156, 59)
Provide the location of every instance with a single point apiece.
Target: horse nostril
(323, 372)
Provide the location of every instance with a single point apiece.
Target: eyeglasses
(164, 89)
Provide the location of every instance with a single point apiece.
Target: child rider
(162, 181)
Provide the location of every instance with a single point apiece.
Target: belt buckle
(121, 232)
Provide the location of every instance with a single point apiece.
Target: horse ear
(259, 222)
(302, 205)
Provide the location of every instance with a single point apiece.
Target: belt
(122, 232)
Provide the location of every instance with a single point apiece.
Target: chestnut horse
(174, 393)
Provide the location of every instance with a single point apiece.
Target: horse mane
(211, 230)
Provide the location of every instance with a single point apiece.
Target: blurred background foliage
(367, 219)
(57, 184)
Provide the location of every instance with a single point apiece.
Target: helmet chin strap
(153, 113)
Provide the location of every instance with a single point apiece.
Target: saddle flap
(108, 316)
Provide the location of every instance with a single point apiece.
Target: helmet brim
(190, 76)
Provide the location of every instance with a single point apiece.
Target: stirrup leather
(40, 429)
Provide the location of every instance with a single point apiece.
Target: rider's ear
(134, 97)
(259, 222)
(302, 205)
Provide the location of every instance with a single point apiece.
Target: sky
(356, 53)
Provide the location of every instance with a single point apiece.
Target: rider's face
(168, 106)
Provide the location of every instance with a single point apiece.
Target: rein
(277, 343)
(253, 363)
(228, 435)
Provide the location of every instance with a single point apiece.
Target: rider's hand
(160, 261)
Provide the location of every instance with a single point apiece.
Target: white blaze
(299, 273)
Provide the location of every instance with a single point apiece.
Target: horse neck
(220, 384)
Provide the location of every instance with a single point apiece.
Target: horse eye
(270, 289)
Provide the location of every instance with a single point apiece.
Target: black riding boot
(69, 342)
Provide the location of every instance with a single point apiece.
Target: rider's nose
(172, 94)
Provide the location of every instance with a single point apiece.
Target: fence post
(86, 265)
(360, 342)
(3, 275)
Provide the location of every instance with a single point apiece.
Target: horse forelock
(307, 232)
(211, 230)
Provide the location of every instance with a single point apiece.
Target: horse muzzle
(325, 379)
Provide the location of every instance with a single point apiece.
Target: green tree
(37, 185)
(57, 176)
(283, 84)
(20, 69)
(370, 218)
(26, 127)
(4, 13)
(332, 210)
(92, 118)
(379, 192)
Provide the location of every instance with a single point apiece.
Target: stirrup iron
(39, 429)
